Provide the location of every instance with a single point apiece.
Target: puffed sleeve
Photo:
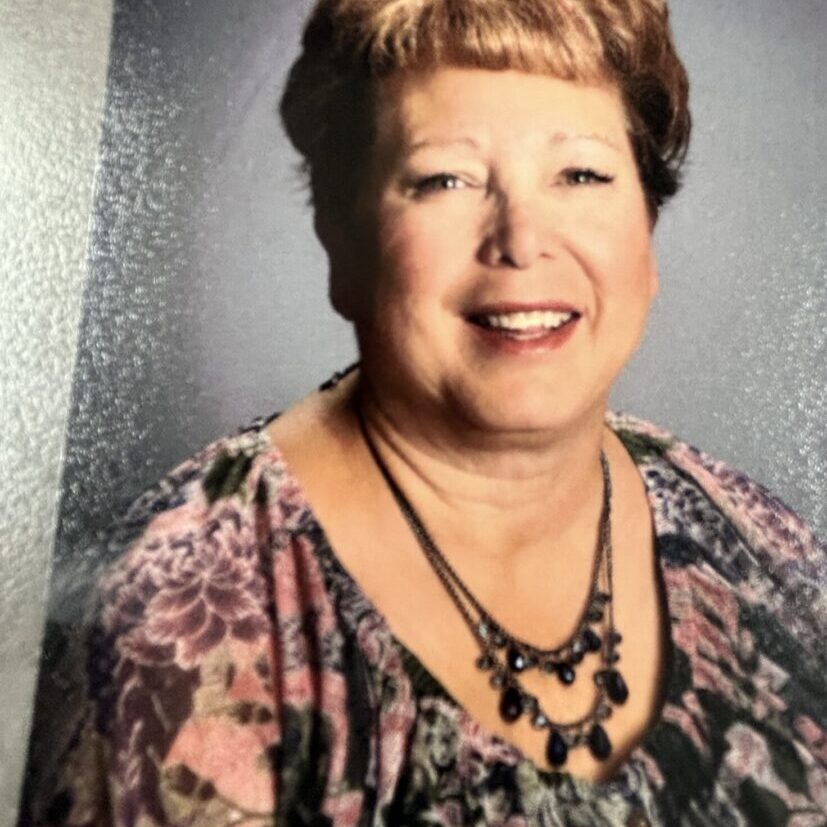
(173, 715)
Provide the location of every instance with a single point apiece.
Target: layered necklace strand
(505, 656)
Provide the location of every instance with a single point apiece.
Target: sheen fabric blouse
(233, 672)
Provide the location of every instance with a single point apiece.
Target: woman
(449, 587)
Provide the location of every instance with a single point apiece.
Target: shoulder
(747, 585)
(193, 564)
(762, 518)
(175, 661)
(731, 535)
(224, 481)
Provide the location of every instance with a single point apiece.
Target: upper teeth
(526, 321)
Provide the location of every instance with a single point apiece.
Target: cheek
(418, 258)
(619, 254)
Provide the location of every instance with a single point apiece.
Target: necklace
(505, 656)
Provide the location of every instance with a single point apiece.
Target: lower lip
(552, 340)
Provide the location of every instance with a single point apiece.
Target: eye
(438, 183)
(583, 175)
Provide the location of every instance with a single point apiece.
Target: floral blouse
(235, 674)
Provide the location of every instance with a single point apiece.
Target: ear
(339, 245)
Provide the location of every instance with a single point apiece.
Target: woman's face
(502, 271)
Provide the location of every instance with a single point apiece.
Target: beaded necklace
(505, 656)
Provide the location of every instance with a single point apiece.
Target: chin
(526, 413)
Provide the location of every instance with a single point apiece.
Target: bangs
(560, 39)
(328, 109)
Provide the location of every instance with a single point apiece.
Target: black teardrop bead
(517, 660)
(557, 751)
(599, 743)
(575, 657)
(511, 704)
(616, 687)
(565, 673)
(592, 640)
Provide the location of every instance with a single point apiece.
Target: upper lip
(505, 308)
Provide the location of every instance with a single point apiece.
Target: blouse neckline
(675, 607)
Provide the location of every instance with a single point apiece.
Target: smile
(522, 330)
(525, 324)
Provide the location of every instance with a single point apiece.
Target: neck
(502, 494)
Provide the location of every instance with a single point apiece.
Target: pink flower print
(687, 723)
(250, 673)
(717, 595)
(490, 748)
(763, 519)
(627, 422)
(449, 813)
(813, 736)
(769, 679)
(748, 757)
(345, 808)
(652, 769)
(188, 591)
(379, 646)
(300, 588)
(231, 756)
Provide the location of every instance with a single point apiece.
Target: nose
(516, 236)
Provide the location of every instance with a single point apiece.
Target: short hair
(327, 107)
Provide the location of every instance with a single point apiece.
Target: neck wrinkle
(551, 497)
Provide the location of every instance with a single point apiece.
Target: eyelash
(575, 177)
(431, 183)
(592, 176)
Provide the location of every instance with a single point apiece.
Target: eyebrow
(561, 137)
(442, 142)
(555, 139)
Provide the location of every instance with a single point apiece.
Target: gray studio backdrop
(201, 296)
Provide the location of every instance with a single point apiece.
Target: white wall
(53, 59)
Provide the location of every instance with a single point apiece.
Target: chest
(428, 625)
(542, 608)
(539, 598)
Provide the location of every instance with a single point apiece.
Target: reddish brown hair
(348, 44)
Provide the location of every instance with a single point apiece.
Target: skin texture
(509, 225)
(490, 188)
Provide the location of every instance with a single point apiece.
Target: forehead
(492, 107)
